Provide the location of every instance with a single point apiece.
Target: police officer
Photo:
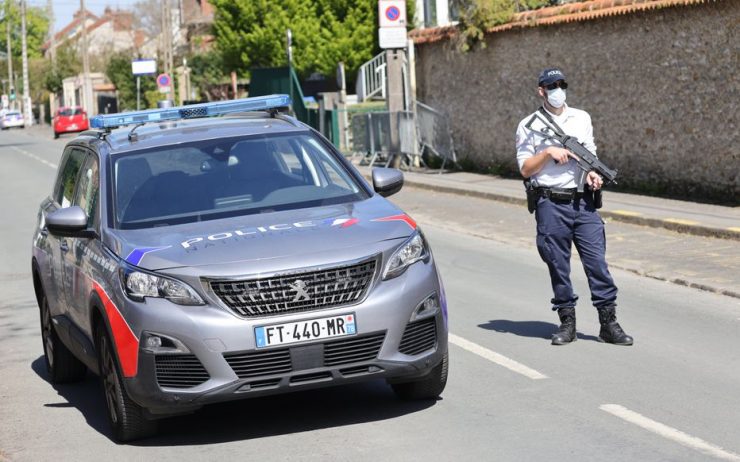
(564, 215)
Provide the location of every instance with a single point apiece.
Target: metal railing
(371, 79)
(424, 131)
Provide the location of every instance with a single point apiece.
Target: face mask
(556, 97)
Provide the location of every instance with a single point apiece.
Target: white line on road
(34, 156)
(497, 358)
(667, 432)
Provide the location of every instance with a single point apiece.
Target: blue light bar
(257, 103)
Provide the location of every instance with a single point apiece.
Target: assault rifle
(586, 160)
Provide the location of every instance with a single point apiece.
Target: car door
(83, 257)
(72, 162)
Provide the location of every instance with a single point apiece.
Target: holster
(532, 195)
(597, 199)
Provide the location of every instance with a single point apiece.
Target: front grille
(296, 292)
(419, 336)
(259, 363)
(179, 371)
(353, 350)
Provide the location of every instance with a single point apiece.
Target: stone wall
(661, 87)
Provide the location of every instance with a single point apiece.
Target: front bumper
(219, 342)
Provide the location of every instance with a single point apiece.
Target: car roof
(152, 135)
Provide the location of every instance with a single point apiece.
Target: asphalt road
(673, 396)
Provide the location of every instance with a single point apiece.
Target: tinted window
(228, 177)
(70, 111)
(88, 190)
(67, 181)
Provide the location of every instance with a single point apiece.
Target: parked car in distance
(11, 119)
(70, 120)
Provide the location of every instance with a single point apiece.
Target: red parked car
(70, 119)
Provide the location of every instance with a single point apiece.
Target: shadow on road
(250, 418)
(535, 329)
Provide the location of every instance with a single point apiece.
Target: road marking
(669, 433)
(497, 358)
(34, 156)
(627, 213)
(680, 221)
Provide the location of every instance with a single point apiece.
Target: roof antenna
(133, 136)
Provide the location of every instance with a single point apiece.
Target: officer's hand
(594, 180)
(559, 155)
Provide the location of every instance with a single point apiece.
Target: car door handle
(64, 246)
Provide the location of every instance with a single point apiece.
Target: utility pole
(53, 53)
(11, 86)
(87, 94)
(27, 109)
(167, 51)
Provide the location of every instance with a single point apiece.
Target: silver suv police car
(190, 259)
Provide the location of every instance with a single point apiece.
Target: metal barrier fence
(423, 131)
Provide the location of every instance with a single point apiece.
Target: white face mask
(556, 97)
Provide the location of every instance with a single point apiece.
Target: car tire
(126, 418)
(62, 365)
(56, 135)
(428, 387)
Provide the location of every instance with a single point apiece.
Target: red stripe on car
(126, 342)
(403, 217)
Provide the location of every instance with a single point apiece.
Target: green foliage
(118, 71)
(252, 33)
(37, 25)
(67, 65)
(206, 71)
(477, 16)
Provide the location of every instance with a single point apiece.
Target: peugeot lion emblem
(300, 287)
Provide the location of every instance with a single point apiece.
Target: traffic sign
(392, 13)
(143, 66)
(164, 80)
(392, 37)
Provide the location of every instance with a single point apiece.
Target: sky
(64, 9)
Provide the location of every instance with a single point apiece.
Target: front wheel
(62, 365)
(428, 387)
(125, 417)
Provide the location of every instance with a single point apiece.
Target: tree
(206, 72)
(37, 25)
(119, 73)
(251, 33)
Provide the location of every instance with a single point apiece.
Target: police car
(222, 251)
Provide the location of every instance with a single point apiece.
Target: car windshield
(70, 111)
(212, 179)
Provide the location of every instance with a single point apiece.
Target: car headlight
(413, 250)
(139, 285)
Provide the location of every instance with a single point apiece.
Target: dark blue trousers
(560, 223)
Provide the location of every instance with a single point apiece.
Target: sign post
(392, 38)
(141, 67)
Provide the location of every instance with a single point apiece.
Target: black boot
(567, 331)
(611, 331)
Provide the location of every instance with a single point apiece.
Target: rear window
(70, 111)
(228, 177)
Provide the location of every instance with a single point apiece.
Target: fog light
(153, 342)
(162, 344)
(429, 307)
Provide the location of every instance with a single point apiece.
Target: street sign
(164, 82)
(392, 30)
(392, 37)
(392, 13)
(144, 66)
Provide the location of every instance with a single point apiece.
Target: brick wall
(661, 87)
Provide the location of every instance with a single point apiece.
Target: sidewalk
(682, 216)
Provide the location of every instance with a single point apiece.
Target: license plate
(303, 331)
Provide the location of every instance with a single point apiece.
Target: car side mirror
(69, 222)
(387, 181)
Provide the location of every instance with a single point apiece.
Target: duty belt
(559, 194)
